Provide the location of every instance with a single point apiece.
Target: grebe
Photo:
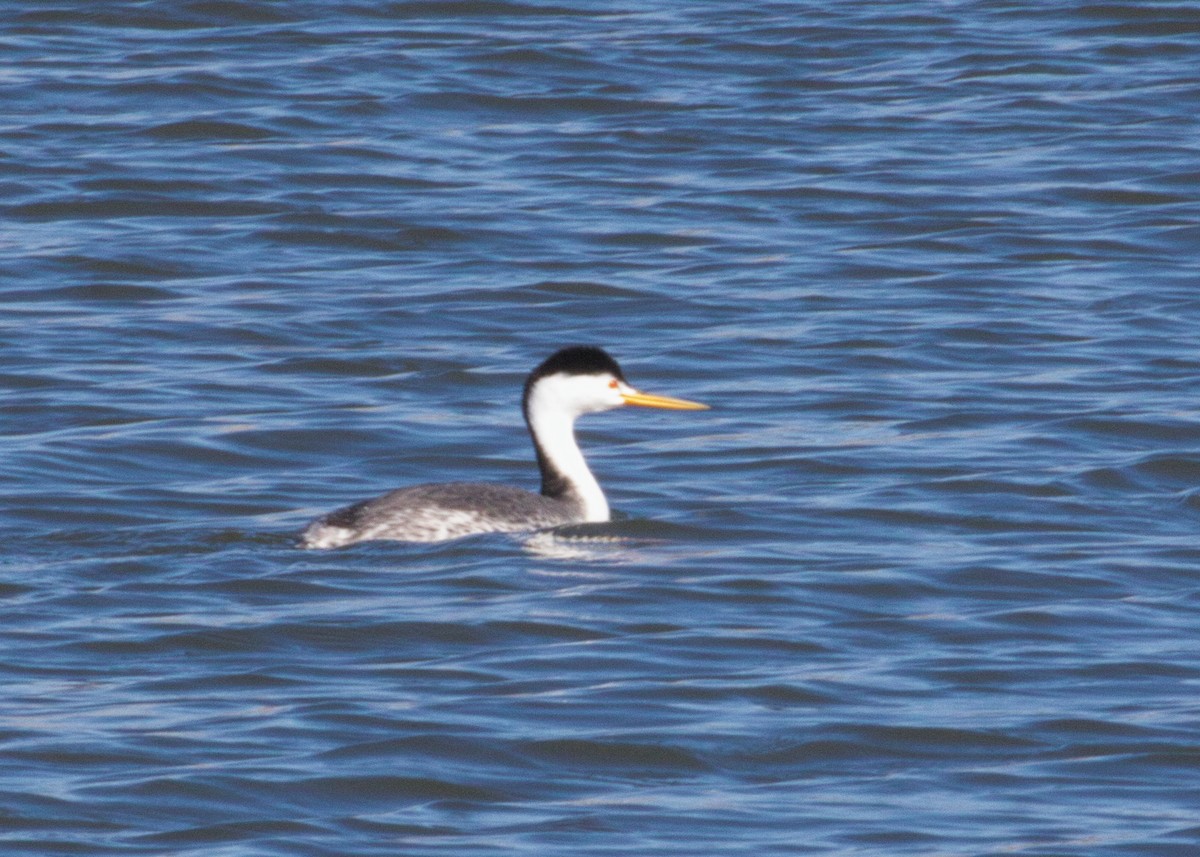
(571, 382)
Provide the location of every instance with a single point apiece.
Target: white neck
(554, 434)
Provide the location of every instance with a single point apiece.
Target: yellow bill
(646, 400)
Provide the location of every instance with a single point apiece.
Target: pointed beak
(646, 400)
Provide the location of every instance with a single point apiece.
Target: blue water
(925, 581)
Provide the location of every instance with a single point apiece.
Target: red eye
(613, 383)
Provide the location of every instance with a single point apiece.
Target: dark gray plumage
(437, 512)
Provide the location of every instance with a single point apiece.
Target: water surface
(924, 581)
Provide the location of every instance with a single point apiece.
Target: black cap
(577, 360)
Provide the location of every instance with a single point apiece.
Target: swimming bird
(570, 383)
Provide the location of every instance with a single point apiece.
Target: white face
(570, 396)
(579, 394)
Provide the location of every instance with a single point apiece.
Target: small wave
(631, 759)
(209, 129)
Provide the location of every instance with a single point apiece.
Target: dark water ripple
(923, 582)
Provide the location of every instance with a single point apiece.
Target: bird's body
(572, 382)
(441, 511)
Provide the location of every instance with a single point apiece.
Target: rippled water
(923, 582)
